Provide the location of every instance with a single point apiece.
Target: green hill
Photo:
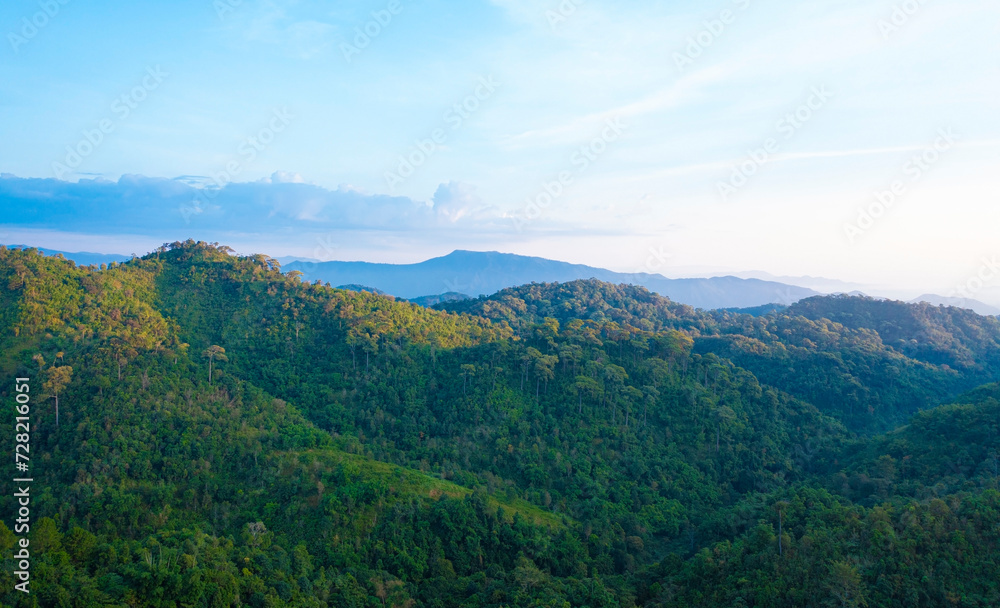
(231, 436)
(868, 363)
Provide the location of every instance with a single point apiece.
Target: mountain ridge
(484, 273)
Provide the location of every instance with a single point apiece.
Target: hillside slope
(232, 436)
(869, 363)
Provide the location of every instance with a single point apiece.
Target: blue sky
(729, 135)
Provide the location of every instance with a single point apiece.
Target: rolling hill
(230, 435)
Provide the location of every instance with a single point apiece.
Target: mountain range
(975, 305)
(476, 273)
(82, 258)
(469, 274)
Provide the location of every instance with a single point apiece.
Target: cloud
(284, 177)
(284, 202)
(283, 25)
(455, 200)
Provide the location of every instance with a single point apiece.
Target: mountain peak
(480, 273)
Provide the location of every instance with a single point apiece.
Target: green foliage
(235, 437)
(868, 363)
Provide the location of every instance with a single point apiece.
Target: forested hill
(943, 335)
(869, 363)
(588, 300)
(229, 435)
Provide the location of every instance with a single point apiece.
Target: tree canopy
(578, 444)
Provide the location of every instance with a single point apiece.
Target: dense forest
(209, 431)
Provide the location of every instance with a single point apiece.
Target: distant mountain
(484, 273)
(974, 305)
(429, 301)
(818, 283)
(758, 311)
(288, 259)
(81, 258)
(356, 287)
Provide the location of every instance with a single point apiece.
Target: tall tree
(780, 507)
(214, 353)
(58, 379)
(468, 370)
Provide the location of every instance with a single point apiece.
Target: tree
(46, 535)
(614, 379)
(255, 530)
(121, 351)
(467, 370)
(723, 415)
(780, 507)
(629, 396)
(845, 585)
(102, 382)
(650, 395)
(585, 385)
(545, 370)
(658, 369)
(58, 379)
(212, 353)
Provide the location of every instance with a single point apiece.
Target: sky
(855, 140)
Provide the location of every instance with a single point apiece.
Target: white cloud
(455, 200)
(284, 177)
